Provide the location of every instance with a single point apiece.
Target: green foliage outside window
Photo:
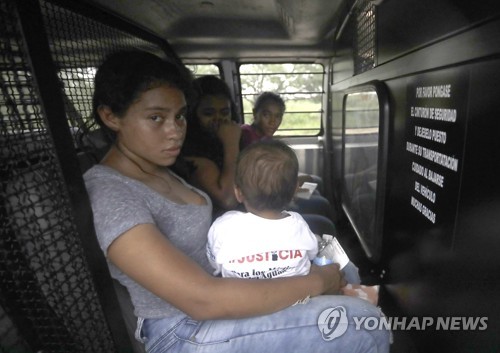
(300, 86)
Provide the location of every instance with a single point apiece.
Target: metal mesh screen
(48, 300)
(78, 45)
(11, 340)
(364, 37)
(45, 281)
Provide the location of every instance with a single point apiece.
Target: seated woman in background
(268, 112)
(212, 142)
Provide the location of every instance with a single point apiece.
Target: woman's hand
(332, 278)
(229, 133)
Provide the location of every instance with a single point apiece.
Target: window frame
(192, 66)
(371, 240)
(321, 93)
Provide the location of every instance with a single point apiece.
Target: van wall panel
(404, 26)
(450, 267)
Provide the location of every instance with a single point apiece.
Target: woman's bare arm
(217, 184)
(146, 256)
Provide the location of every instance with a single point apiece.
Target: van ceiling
(214, 29)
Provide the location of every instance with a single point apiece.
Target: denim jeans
(294, 329)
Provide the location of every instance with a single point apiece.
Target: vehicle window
(362, 113)
(203, 69)
(78, 86)
(361, 144)
(299, 84)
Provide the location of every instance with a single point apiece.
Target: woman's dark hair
(200, 142)
(125, 75)
(268, 96)
(211, 85)
(266, 173)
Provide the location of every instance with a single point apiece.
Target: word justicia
(271, 256)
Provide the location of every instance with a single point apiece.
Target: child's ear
(108, 117)
(238, 194)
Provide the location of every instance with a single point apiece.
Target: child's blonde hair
(266, 174)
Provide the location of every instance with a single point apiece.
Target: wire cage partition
(55, 292)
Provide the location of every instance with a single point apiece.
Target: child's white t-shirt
(241, 244)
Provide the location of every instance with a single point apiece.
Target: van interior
(394, 103)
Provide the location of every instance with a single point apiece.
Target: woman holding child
(152, 227)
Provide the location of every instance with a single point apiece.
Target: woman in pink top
(267, 114)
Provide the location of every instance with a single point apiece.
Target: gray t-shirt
(119, 203)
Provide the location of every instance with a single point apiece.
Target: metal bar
(103, 15)
(49, 90)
